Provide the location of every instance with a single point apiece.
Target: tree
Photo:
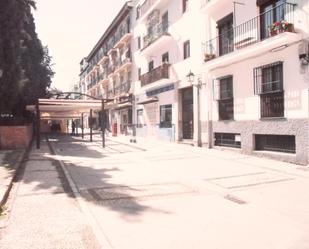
(26, 64)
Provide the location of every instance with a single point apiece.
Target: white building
(249, 60)
(165, 50)
(256, 70)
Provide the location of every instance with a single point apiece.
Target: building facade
(256, 69)
(106, 72)
(213, 73)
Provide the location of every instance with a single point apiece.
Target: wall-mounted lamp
(190, 77)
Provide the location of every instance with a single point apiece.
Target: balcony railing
(146, 6)
(252, 31)
(125, 86)
(124, 58)
(122, 88)
(121, 32)
(157, 31)
(161, 72)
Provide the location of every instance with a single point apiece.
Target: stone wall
(247, 130)
(15, 137)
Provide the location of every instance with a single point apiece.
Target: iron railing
(122, 88)
(146, 6)
(161, 72)
(121, 32)
(155, 33)
(272, 22)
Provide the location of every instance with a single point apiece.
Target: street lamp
(191, 78)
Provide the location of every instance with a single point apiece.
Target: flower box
(208, 57)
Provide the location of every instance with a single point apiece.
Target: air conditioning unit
(303, 52)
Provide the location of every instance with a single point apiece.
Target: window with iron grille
(165, 116)
(224, 95)
(279, 143)
(228, 140)
(268, 83)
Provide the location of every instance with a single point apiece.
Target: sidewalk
(43, 212)
(225, 154)
(9, 162)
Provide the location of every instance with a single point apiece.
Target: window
(268, 83)
(228, 140)
(138, 42)
(139, 73)
(165, 57)
(225, 30)
(165, 116)
(186, 49)
(140, 119)
(224, 95)
(165, 22)
(184, 5)
(279, 143)
(138, 11)
(150, 66)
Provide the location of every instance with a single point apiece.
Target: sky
(70, 29)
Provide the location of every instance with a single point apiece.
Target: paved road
(42, 212)
(154, 195)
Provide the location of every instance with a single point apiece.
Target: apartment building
(215, 73)
(106, 72)
(165, 50)
(256, 71)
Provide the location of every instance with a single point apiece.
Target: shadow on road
(96, 187)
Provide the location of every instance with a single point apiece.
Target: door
(187, 113)
(271, 12)
(226, 35)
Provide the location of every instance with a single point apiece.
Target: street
(152, 194)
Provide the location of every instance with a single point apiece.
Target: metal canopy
(62, 106)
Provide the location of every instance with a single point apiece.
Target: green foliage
(25, 64)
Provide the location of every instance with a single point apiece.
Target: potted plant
(208, 57)
(280, 26)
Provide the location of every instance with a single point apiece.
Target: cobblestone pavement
(153, 194)
(43, 212)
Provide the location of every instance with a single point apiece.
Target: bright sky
(71, 28)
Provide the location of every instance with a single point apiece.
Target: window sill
(273, 118)
(226, 120)
(274, 153)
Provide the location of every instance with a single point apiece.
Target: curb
(20, 161)
(97, 230)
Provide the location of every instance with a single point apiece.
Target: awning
(148, 101)
(123, 105)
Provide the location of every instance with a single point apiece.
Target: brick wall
(15, 137)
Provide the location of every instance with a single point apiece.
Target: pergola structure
(66, 106)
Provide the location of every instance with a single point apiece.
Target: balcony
(123, 88)
(149, 5)
(124, 61)
(159, 36)
(122, 36)
(256, 30)
(159, 73)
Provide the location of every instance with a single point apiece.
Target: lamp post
(191, 78)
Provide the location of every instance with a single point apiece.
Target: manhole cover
(125, 192)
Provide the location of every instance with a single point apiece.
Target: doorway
(187, 113)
